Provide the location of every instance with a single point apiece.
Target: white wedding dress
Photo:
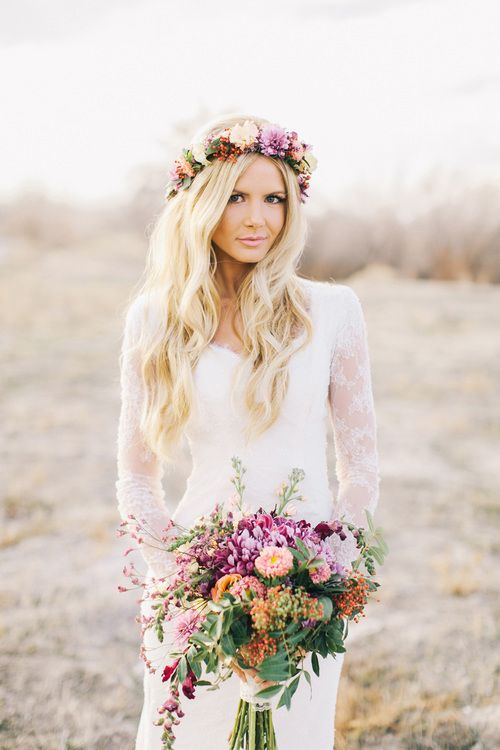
(329, 379)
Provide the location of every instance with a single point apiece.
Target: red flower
(169, 670)
(189, 684)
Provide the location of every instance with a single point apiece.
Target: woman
(228, 346)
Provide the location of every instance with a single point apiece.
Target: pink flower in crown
(273, 140)
(185, 625)
(185, 168)
(244, 135)
(274, 562)
(173, 173)
(295, 149)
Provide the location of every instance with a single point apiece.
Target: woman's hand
(243, 673)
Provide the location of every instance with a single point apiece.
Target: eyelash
(280, 200)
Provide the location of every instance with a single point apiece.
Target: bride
(227, 345)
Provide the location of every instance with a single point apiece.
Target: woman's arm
(139, 489)
(353, 417)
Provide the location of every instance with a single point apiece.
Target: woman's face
(256, 208)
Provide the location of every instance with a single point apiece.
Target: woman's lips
(252, 243)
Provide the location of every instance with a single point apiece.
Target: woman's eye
(239, 195)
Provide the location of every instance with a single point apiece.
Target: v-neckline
(215, 345)
(241, 355)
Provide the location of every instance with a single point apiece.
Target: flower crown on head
(228, 144)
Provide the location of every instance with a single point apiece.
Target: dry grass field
(423, 669)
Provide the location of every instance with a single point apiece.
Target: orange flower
(223, 584)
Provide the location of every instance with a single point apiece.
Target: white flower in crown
(244, 135)
(311, 160)
(198, 151)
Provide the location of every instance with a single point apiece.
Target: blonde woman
(227, 345)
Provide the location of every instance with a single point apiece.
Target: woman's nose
(255, 215)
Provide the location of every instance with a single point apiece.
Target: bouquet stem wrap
(253, 728)
(248, 693)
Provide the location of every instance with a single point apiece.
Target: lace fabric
(139, 488)
(354, 424)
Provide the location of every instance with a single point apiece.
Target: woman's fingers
(258, 680)
(239, 671)
(242, 674)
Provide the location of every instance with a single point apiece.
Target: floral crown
(228, 144)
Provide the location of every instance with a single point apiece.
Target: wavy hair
(182, 305)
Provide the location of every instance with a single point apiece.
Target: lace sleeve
(139, 489)
(353, 417)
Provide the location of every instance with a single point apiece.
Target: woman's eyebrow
(273, 192)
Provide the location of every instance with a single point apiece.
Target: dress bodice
(328, 379)
(215, 431)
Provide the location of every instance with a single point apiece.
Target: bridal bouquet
(258, 592)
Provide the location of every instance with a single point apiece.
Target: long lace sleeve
(353, 418)
(139, 489)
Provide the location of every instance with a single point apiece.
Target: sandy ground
(423, 669)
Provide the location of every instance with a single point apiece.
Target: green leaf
(269, 691)
(294, 685)
(383, 544)
(296, 638)
(227, 644)
(285, 699)
(327, 607)
(196, 667)
(302, 547)
(315, 663)
(239, 632)
(369, 517)
(297, 555)
(182, 669)
(202, 639)
(274, 670)
(273, 675)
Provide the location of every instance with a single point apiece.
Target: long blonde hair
(183, 306)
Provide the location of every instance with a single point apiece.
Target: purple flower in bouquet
(237, 554)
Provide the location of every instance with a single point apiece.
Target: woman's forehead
(262, 173)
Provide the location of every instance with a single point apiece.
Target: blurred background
(400, 101)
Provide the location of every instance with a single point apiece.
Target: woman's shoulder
(135, 313)
(141, 313)
(330, 294)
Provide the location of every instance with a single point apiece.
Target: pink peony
(249, 583)
(185, 625)
(274, 562)
(320, 574)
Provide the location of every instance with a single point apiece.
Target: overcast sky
(386, 91)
